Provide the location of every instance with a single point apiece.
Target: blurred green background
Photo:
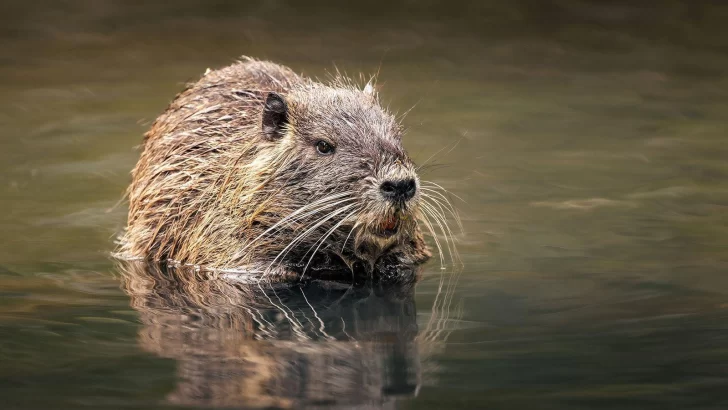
(593, 165)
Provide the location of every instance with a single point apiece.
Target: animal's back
(216, 93)
(206, 130)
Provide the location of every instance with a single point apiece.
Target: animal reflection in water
(319, 344)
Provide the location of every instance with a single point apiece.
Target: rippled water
(587, 140)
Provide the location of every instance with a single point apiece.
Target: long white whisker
(427, 223)
(429, 210)
(440, 194)
(300, 237)
(295, 216)
(321, 222)
(435, 203)
(443, 206)
(321, 242)
(445, 228)
(433, 184)
(288, 220)
(348, 236)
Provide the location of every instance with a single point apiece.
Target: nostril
(389, 188)
(410, 187)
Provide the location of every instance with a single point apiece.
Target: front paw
(396, 268)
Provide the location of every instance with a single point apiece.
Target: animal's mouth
(388, 227)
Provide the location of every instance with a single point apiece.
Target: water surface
(587, 140)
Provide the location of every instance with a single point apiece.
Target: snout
(401, 190)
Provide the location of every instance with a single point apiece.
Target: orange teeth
(390, 223)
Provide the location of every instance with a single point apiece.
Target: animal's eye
(324, 148)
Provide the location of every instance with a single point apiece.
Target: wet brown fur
(210, 182)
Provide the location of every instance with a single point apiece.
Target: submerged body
(256, 168)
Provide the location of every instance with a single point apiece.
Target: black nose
(401, 190)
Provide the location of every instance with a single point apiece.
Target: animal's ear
(275, 116)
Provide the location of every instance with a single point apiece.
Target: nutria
(258, 169)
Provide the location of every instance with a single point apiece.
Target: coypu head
(356, 186)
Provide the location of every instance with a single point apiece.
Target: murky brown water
(591, 155)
